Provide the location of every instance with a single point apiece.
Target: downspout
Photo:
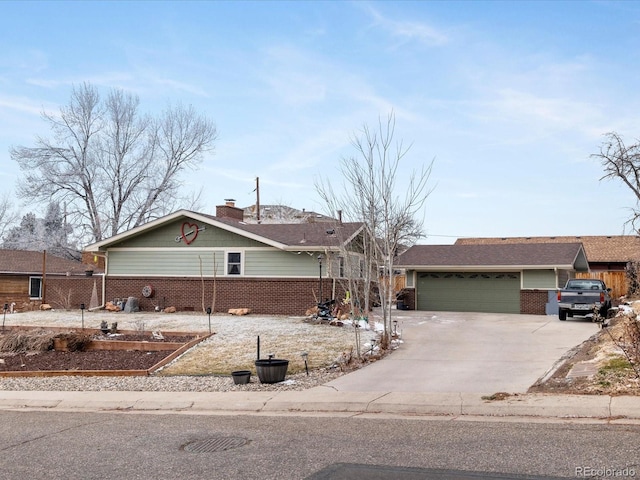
(104, 284)
(44, 277)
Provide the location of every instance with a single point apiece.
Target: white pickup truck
(582, 296)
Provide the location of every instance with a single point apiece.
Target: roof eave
(500, 268)
(104, 244)
(309, 248)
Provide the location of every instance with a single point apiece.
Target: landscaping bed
(73, 362)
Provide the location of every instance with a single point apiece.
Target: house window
(35, 287)
(341, 267)
(234, 263)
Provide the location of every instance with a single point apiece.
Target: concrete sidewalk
(327, 401)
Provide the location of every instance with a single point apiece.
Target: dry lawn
(234, 344)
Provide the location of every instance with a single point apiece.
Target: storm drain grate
(215, 444)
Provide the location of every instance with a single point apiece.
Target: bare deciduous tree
(8, 216)
(622, 162)
(113, 167)
(391, 219)
(50, 233)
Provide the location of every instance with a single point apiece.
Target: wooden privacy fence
(616, 281)
(399, 282)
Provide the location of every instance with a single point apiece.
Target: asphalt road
(142, 446)
(480, 353)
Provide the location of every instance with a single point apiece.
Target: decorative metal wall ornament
(147, 291)
(189, 232)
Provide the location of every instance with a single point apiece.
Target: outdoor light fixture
(305, 356)
(320, 257)
(395, 327)
(82, 310)
(209, 313)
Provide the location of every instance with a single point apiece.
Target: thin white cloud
(29, 60)
(405, 31)
(294, 76)
(21, 104)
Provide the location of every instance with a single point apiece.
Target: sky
(508, 99)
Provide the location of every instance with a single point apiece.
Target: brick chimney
(229, 210)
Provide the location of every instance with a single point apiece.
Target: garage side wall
(533, 302)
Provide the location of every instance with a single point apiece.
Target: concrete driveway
(469, 352)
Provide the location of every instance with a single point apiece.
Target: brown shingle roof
(616, 248)
(283, 235)
(299, 234)
(508, 255)
(28, 262)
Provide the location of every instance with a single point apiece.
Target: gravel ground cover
(208, 365)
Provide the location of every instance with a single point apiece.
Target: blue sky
(509, 98)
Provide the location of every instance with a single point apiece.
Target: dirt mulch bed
(35, 350)
(51, 360)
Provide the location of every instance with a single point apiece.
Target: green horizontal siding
(409, 278)
(165, 237)
(276, 263)
(178, 262)
(542, 279)
(185, 262)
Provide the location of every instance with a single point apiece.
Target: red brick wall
(70, 292)
(270, 296)
(229, 211)
(533, 302)
(409, 298)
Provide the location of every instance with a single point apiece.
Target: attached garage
(469, 291)
(488, 278)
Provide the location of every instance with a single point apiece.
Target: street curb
(320, 400)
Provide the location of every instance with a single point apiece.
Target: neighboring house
(282, 214)
(501, 278)
(608, 256)
(29, 278)
(192, 261)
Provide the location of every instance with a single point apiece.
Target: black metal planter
(272, 370)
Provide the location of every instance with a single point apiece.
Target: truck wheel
(562, 314)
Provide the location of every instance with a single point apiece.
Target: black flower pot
(241, 377)
(272, 370)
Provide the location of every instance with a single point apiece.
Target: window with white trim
(234, 263)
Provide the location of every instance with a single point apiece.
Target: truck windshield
(583, 285)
